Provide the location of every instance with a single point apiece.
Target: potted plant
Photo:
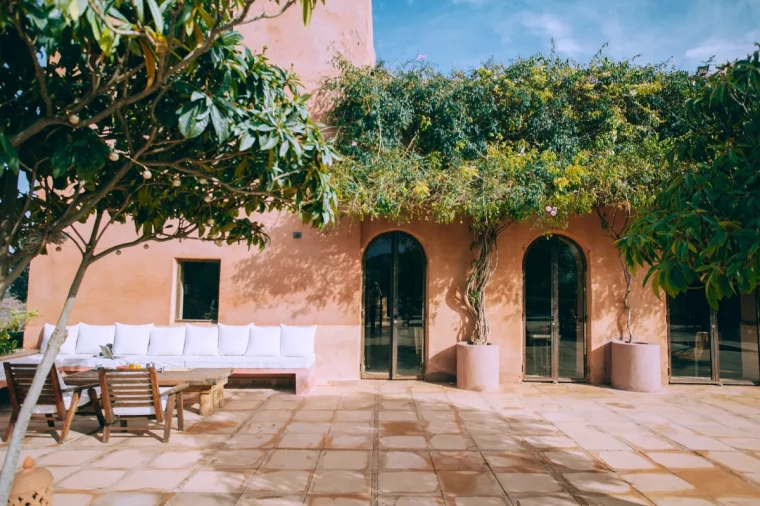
(478, 359)
(634, 364)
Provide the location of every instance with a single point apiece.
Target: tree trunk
(475, 294)
(48, 360)
(626, 301)
(9, 189)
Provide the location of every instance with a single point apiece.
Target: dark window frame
(181, 270)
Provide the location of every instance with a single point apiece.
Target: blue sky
(463, 33)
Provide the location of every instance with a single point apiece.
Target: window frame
(180, 289)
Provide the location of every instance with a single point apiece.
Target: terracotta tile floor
(418, 444)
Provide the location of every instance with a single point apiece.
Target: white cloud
(721, 48)
(547, 25)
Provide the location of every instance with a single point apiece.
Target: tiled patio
(415, 444)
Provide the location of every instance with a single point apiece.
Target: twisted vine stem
(482, 269)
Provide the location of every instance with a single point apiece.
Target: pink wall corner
(338, 350)
(338, 26)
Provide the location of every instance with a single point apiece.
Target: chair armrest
(78, 388)
(175, 389)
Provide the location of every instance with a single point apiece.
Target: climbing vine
(537, 140)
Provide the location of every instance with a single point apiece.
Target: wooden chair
(57, 401)
(136, 394)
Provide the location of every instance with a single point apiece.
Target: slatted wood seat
(57, 401)
(136, 394)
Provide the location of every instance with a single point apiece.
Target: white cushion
(201, 341)
(297, 341)
(131, 339)
(84, 398)
(143, 410)
(250, 362)
(68, 347)
(233, 339)
(92, 337)
(167, 341)
(264, 342)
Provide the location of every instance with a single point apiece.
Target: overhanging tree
(537, 141)
(704, 228)
(153, 115)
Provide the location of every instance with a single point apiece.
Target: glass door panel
(690, 336)
(538, 310)
(571, 344)
(378, 276)
(738, 338)
(554, 311)
(394, 307)
(409, 320)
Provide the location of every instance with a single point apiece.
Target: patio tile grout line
(551, 471)
(375, 464)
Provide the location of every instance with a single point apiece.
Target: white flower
(354, 144)
(421, 57)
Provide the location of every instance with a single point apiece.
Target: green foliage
(705, 226)
(19, 289)
(504, 142)
(151, 111)
(11, 327)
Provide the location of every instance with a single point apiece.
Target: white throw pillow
(69, 346)
(201, 341)
(167, 341)
(131, 339)
(233, 339)
(264, 342)
(297, 341)
(92, 337)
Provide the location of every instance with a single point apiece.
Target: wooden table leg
(207, 401)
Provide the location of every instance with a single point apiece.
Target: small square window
(198, 290)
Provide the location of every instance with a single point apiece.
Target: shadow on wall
(318, 272)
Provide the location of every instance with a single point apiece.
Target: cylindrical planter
(478, 367)
(636, 366)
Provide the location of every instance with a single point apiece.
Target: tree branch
(37, 68)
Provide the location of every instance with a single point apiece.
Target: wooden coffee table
(209, 383)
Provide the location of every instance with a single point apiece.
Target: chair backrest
(19, 378)
(130, 393)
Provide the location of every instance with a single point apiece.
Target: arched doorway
(394, 307)
(555, 311)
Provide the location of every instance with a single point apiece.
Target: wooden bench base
(305, 378)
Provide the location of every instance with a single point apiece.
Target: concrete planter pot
(478, 367)
(636, 366)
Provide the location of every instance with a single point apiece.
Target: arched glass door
(714, 346)
(555, 311)
(394, 307)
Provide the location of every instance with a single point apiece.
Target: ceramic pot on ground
(636, 366)
(478, 367)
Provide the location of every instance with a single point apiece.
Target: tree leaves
(705, 227)
(8, 156)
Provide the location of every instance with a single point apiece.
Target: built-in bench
(249, 350)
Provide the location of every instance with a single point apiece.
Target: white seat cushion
(143, 410)
(167, 341)
(131, 339)
(68, 347)
(92, 337)
(247, 362)
(233, 339)
(84, 398)
(264, 342)
(201, 340)
(297, 341)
